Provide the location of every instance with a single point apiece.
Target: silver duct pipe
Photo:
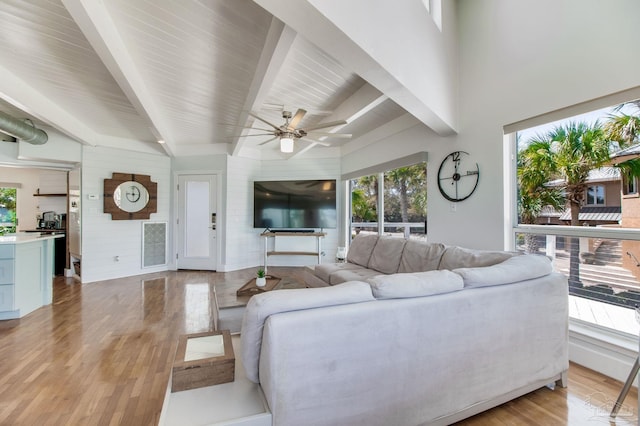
(22, 130)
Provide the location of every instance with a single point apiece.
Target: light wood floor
(101, 354)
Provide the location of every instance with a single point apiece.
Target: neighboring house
(630, 211)
(602, 201)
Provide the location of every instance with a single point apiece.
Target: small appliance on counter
(51, 220)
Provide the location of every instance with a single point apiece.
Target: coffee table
(228, 314)
(250, 288)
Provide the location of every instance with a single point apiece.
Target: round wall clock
(458, 176)
(130, 196)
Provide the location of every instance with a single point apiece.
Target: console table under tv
(273, 234)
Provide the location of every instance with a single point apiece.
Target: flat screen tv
(294, 204)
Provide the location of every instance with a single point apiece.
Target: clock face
(458, 176)
(131, 196)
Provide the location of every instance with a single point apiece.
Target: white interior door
(197, 246)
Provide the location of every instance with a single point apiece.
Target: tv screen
(294, 204)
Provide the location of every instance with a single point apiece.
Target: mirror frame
(110, 206)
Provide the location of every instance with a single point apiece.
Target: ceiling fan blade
(325, 125)
(316, 142)
(264, 121)
(268, 140)
(331, 135)
(296, 119)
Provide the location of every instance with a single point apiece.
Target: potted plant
(261, 279)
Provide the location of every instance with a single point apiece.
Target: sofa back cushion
(458, 257)
(415, 284)
(361, 248)
(261, 306)
(386, 255)
(420, 256)
(514, 269)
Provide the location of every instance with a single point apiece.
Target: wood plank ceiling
(128, 73)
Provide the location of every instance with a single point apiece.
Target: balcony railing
(399, 229)
(600, 263)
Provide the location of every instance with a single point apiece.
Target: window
(402, 193)
(8, 218)
(629, 184)
(595, 195)
(555, 162)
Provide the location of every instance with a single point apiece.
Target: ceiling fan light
(286, 144)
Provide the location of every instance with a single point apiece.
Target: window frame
(597, 187)
(629, 182)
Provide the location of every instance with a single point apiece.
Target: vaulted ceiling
(127, 74)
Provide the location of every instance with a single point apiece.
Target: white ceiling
(127, 73)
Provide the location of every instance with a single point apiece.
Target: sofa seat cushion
(325, 270)
(261, 306)
(386, 254)
(361, 248)
(360, 274)
(415, 284)
(420, 256)
(514, 269)
(458, 257)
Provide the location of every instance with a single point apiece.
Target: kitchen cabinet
(26, 274)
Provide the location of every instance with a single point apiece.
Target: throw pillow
(518, 268)
(414, 284)
(458, 257)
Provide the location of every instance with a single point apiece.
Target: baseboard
(605, 351)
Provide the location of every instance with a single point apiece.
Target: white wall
(242, 248)
(102, 238)
(52, 182)
(518, 60)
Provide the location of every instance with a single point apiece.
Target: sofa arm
(263, 305)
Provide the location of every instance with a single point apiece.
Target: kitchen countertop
(44, 230)
(27, 238)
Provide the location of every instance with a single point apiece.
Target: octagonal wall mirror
(130, 196)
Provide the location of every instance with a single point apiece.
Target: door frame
(220, 218)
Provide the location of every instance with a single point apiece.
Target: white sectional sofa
(370, 255)
(409, 348)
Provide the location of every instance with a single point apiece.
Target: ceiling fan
(289, 132)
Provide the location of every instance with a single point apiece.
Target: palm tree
(409, 183)
(533, 192)
(623, 128)
(569, 152)
(361, 207)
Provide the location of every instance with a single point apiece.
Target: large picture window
(572, 177)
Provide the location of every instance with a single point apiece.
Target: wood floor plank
(101, 354)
